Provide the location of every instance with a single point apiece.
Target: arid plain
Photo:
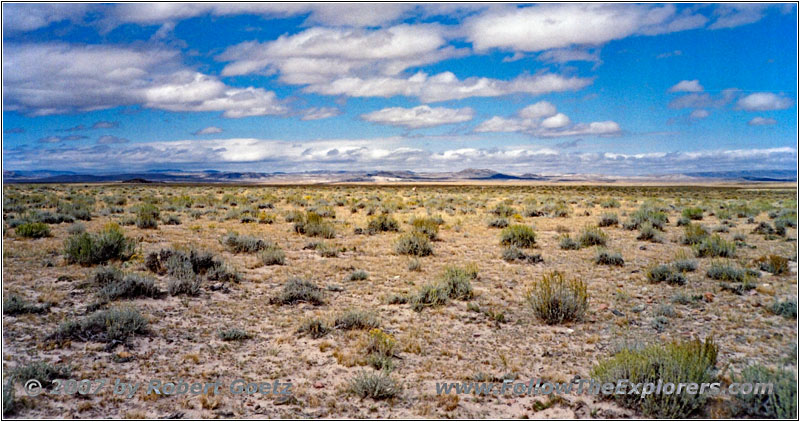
(363, 297)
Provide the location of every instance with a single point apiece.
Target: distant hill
(321, 176)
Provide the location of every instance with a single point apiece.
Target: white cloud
(549, 26)
(764, 101)
(762, 121)
(317, 113)
(388, 153)
(566, 55)
(687, 86)
(108, 139)
(209, 130)
(419, 117)
(28, 17)
(42, 79)
(733, 15)
(446, 86)
(704, 100)
(699, 114)
(318, 55)
(542, 120)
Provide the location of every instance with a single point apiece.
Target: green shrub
(89, 249)
(715, 246)
(518, 235)
(297, 290)
(723, 272)
(773, 264)
(8, 397)
(555, 299)
(781, 403)
(671, 363)
(356, 319)
(427, 226)
(685, 265)
(665, 273)
(243, 243)
(429, 295)
(608, 219)
(112, 325)
(694, 234)
(42, 371)
(234, 334)
(358, 275)
(147, 216)
(15, 305)
(786, 309)
(456, 281)
(498, 223)
(129, 286)
(650, 233)
(184, 286)
(609, 203)
(592, 236)
(604, 257)
(414, 243)
(33, 230)
(692, 213)
(313, 225)
(567, 243)
(513, 253)
(382, 223)
(314, 327)
(375, 385)
(503, 210)
(272, 255)
(646, 214)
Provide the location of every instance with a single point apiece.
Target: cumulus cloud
(419, 117)
(318, 55)
(698, 114)
(57, 78)
(687, 86)
(704, 100)
(317, 113)
(208, 131)
(762, 121)
(542, 120)
(446, 86)
(764, 101)
(108, 139)
(550, 26)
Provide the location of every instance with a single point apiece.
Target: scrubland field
(364, 297)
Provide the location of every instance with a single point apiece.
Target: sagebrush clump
(662, 363)
(90, 249)
(556, 300)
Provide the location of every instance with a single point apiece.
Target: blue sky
(628, 89)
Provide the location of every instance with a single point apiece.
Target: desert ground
(338, 289)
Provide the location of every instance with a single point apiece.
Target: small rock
(708, 296)
(638, 308)
(476, 334)
(643, 248)
(602, 307)
(617, 313)
(319, 385)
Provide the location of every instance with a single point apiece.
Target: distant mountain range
(215, 176)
